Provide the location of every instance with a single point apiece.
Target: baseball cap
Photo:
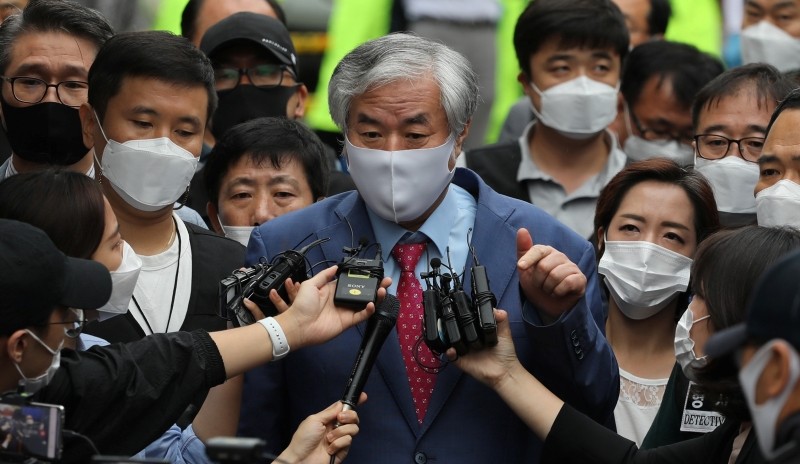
(35, 276)
(260, 29)
(773, 311)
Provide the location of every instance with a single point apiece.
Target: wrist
(280, 343)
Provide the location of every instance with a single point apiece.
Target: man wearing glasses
(47, 52)
(730, 117)
(255, 70)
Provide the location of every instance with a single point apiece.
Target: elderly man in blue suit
(404, 104)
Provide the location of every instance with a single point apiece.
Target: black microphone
(378, 328)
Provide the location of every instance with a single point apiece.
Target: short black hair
(791, 102)
(768, 83)
(268, 140)
(154, 54)
(53, 16)
(192, 10)
(684, 66)
(658, 19)
(574, 23)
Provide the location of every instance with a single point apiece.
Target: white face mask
(779, 205)
(148, 174)
(765, 415)
(733, 180)
(765, 42)
(684, 345)
(34, 384)
(123, 282)
(239, 233)
(400, 186)
(639, 149)
(578, 108)
(643, 277)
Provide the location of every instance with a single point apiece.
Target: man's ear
(88, 124)
(461, 137)
(777, 373)
(301, 96)
(213, 217)
(16, 344)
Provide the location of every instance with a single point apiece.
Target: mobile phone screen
(31, 430)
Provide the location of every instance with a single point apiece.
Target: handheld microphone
(378, 328)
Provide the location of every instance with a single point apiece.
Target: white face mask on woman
(400, 186)
(148, 174)
(643, 277)
(578, 108)
(684, 345)
(123, 282)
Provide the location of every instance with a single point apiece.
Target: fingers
(292, 289)
(322, 277)
(552, 271)
(524, 242)
(276, 300)
(254, 309)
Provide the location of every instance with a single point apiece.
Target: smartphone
(31, 430)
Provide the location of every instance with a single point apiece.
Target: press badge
(697, 414)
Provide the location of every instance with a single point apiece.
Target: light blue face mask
(31, 385)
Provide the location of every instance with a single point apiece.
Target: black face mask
(247, 102)
(45, 133)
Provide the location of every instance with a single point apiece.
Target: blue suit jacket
(466, 422)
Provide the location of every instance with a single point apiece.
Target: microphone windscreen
(389, 308)
(436, 262)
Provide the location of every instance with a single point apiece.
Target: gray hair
(405, 56)
(56, 16)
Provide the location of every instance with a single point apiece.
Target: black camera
(358, 278)
(256, 282)
(451, 318)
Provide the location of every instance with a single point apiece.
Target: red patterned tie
(409, 326)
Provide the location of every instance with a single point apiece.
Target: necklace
(174, 286)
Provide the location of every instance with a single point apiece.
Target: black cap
(773, 311)
(260, 29)
(35, 277)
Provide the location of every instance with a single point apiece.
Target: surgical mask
(239, 233)
(733, 180)
(765, 42)
(684, 346)
(34, 384)
(45, 133)
(148, 174)
(765, 415)
(401, 185)
(578, 108)
(643, 277)
(779, 205)
(246, 102)
(639, 149)
(123, 282)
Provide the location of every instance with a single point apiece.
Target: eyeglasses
(263, 75)
(713, 147)
(654, 135)
(75, 326)
(33, 90)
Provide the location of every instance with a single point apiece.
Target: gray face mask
(765, 415)
(684, 345)
(31, 385)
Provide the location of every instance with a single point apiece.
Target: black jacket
(213, 258)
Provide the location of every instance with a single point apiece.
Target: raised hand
(491, 365)
(550, 281)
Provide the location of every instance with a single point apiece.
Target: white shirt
(639, 400)
(150, 305)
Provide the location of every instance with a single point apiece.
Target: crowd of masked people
(637, 219)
